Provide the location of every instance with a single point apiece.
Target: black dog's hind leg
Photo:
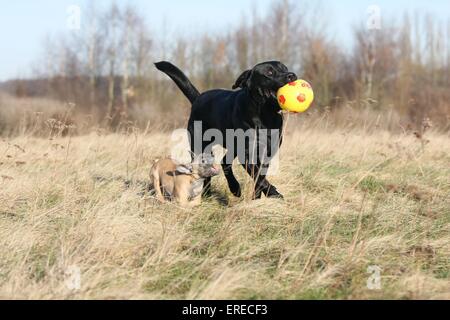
(206, 187)
(233, 184)
(197, 147)
(261, 183)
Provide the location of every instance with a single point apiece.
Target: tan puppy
(182, 182)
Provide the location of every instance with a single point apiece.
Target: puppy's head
(265, 78)
(202, 165)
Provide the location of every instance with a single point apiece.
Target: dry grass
(353, 199)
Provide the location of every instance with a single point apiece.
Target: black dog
(254, 106)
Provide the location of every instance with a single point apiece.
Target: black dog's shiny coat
(254, 106)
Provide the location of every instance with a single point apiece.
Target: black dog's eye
(269, 72)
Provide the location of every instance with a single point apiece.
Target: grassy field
(352, 200)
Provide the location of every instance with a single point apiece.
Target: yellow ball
(296, 96)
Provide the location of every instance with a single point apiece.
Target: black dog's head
(265, 78)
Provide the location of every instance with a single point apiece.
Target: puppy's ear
(243, 81)
(184, 169)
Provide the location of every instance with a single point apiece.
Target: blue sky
(25, 23)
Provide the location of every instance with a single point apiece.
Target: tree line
(106, 68)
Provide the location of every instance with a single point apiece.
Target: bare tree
(111, 24)
(93, 50)
(107, 66)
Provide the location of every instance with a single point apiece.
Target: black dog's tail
(180, 79)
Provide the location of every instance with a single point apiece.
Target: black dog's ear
(244, 80)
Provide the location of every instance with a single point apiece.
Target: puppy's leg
(181, 195)
(196, 201)
(233, 184)
(157, 186)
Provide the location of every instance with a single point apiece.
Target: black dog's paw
(273, 193)
(276, 196)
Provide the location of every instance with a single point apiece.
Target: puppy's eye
(269, 72)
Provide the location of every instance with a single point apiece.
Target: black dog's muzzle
(290, 77)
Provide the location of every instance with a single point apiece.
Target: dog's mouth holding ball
(280, 82)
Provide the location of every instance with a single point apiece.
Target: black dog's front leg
(261, 183)
(233, 184)
(197, 147)
(206, 187)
